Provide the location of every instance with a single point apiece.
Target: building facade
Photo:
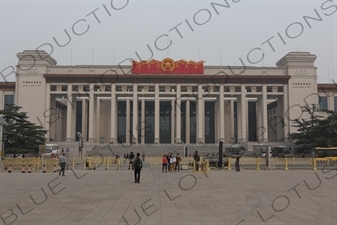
(117, 104)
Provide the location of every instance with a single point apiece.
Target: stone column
(243, 114)
(330, 101)
(259, 127)
(98, 120)
(143, 122)
(200, 115)
(91, 113)
(156, 113)
(178, 114)
(49, 112)
(84, 119)
(127, 125)
(135, 115)
(286, 120)
(188, 131)
(264, 113)
(59, 123)
(222, 114)
(70, 105)
(113, 138)
(239, 119)
(203, 120)
(232, 119)
(216, 120)
(172, 121)
(276, 124)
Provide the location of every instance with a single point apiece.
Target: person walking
(237, 163)
(63, 163)
(137, 167)
(143, 156)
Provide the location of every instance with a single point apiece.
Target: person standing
(63, 162)
(178, 159)
(137, 167)
(196, 159)
(237, 163)
(131, 157)
(172, 162)
(164, 162)
(168, 161)
(143, 156)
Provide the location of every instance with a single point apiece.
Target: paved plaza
(111, 197)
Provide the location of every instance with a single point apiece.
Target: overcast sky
(199, 30)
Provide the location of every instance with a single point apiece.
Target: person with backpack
(137, 167)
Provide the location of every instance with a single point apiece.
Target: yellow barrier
(113, 162)
(258, 163)
(38, 163)
(200, 166)
(314, 164)
(229, 164)
(156, 162)
(35, 163)
(286, 163)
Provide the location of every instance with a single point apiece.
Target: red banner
(167, 66)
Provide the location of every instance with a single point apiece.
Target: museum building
(167, 101)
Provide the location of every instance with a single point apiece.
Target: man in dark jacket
(137, 167)
(237, 162)
(131, 157)
(197, 160)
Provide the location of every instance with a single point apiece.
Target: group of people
(171, 162)
(131, 156)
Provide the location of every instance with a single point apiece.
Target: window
(9, 100)
(335, 103)
(323, 102)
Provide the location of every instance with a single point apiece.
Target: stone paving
(219, 197)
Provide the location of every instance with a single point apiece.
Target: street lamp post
(184, 147)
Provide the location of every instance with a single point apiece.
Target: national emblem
(167, 64)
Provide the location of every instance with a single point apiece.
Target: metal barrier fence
(187, 163)
(201, 166)
(52, 164)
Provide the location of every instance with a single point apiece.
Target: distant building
(166, 102)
